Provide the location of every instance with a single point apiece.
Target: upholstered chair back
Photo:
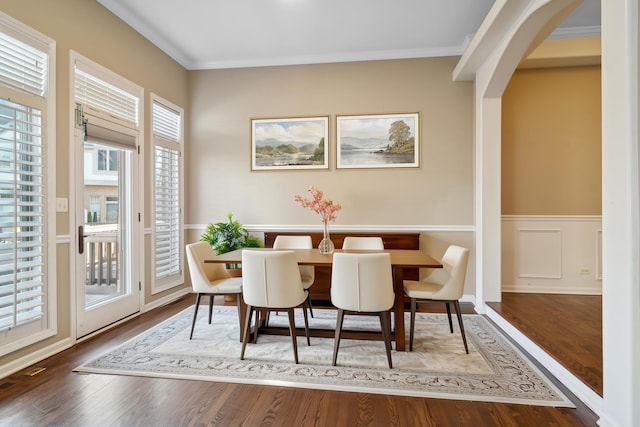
(362, 282)
(308, 272)
(202, 274)
(362, 243)
(452, 274)
(271, 279)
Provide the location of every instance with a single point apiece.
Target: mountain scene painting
(294, 143)
(378, 141)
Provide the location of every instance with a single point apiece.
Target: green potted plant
(228, 236)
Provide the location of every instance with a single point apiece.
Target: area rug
(493, 371)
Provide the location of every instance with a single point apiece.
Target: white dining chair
(209, 278)
(444, 284)
(362, 283)
(307, 272)
(271, 282)
(362, 243)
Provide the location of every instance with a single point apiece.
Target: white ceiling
(209, 34)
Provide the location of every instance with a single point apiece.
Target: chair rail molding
(347, 228)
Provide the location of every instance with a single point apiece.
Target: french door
(107, 223)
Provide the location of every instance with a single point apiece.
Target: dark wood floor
(57, 396)
(568, 327)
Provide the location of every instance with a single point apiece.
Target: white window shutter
(22, 242)
(22, 66)
(168, 233)
(94, 92)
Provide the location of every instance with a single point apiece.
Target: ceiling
(211, 34)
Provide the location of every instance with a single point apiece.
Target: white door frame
(74, 175)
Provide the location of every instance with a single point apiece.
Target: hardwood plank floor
(567, 327)
(57, 396)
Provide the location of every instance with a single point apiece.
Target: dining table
(400, 259)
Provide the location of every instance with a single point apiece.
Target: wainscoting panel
(539, 253)
(552, 254)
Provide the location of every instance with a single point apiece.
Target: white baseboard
(166, 299)
(35, 357)
(550, 290)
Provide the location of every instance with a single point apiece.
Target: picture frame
(378, 141)
(289, 143)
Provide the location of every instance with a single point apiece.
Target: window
(107, 160)
(93, 213)
(112, 210)
(21, 215)
(168, 239)
(27, 176)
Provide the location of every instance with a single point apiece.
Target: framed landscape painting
(378, 141)
(290, 143)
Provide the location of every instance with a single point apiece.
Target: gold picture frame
(378, 141)
(290, 143)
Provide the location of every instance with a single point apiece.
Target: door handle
(81, 237)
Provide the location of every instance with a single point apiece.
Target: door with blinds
(107, 290)
(107, 199)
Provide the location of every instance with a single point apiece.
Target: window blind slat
(22, 66)
(167, 212)
(166, 122)
(21, 217)
(99, 94)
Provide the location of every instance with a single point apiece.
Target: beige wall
(551, 142)
(92, 31)
(219, 179)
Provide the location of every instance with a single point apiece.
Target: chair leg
(446, 304)
(309, 303)
(238, 304)
(385, 325)
(336, 342)
(247, 331)
(464, 338)
(412, 323)
(292, 331)
(306, 321)
(210, 307)
(195, 314)
(261, 315)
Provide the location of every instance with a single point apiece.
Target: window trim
(162, 284)
(16, 340)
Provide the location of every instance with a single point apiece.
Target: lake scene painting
(378, 141)
(289, 143)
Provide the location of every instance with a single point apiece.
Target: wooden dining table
(400, 259)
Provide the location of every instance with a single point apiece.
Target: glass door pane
(106, 249)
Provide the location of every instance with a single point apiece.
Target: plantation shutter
(96, 93)
(22, 66)
(22, 242)
(167, 135)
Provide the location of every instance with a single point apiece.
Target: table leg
(398, 308)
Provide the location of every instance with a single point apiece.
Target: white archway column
(487, 158)
(620, 214)
(510, 31)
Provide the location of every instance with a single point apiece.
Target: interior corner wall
(219, 178)
(551, 142)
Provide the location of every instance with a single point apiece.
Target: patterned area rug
(493, 371)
